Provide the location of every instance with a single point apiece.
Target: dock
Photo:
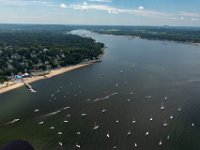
(29, 87)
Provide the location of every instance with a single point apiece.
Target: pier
(29, 87)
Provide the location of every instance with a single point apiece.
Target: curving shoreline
(14, 85)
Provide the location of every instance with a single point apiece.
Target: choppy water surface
(143, 95)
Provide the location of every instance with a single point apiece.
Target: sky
(101, 12)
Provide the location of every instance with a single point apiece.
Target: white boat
(193, 125)
(60, 143)
(33, 91)
(160, 142)
(108, 135)
(179, 108)
(36, 110)
(114, 147)
(78, 133)
(168, 137)
(77, 145)
(68, 107)
(171, 117)
(60, 133)
(147, 133)
(116, 84)
(165, 124)
(129, 133)
(165, 98)
(65, 121)
(40, 123)
(135, 144)
(125, 83)
(162, 106)
(121, 71)
(103, 110)
(134, 121)
(117, 121)
(95, 126)
(83, 114)
(52, 128)
(151, 118)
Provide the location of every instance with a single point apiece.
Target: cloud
(174, 18)
(140, 11)
(24, 3)
(189, 14)
(115, 10)
(101, 1)
(182, 18)
(62, 5)
(195, 19)
(141, 8)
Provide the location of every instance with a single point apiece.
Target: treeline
(182, 34)
(32, 51)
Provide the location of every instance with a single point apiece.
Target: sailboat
(179, 108)
(103, 110)
(165, 124)
(160, 142)
(147, 133)
(135, 144)
(60, 143)
(162, 106)
(151, 118)
(95, 126)
(129, 133)
(168, 137)
(77, 145)
(134, 121)
(108, 135)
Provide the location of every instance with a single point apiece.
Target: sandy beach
(8, 86)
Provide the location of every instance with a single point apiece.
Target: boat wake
(13, 121)
(56, 112)
(105, 97)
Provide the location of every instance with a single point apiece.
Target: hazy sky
(103, 12)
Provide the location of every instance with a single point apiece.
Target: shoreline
(10, 85)
(133, 37)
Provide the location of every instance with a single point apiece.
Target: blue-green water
(131, 83)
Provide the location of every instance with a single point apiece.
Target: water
(138, 77)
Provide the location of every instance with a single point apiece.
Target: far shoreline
(54, 72)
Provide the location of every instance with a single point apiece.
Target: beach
(11, 85)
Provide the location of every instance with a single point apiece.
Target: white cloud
(189, 14)
(141, 8)
(174, 18)
(62, 5)
(102, 1)
(84, 3)
(24, 3)
(140, 11)
(114, 10)
(195, 19)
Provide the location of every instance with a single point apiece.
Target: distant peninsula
(180, 34)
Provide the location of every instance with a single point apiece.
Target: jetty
(29, 87)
